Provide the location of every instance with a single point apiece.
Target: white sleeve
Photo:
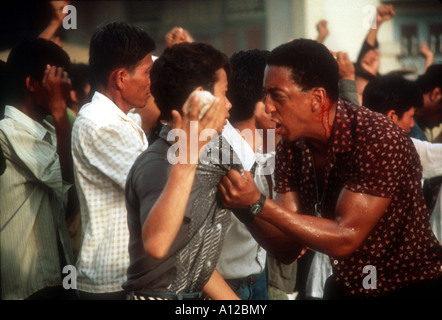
(431, 157)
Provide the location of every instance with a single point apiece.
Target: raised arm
(166, 216)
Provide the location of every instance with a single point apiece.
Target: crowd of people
(306, 171)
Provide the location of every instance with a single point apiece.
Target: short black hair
(246, 83)
(29, 58)
(431, 79)
(182, 68)
(117, 45)
(311, 64)
(79, 74)
(392, 92)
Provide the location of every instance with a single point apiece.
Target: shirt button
(219, 226)
(209, 264)
(347, 284)
(335, 262)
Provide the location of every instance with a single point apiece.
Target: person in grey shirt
(176, 223)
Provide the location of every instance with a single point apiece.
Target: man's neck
(320, 139)
(31, 110)
(115, 97)
(249, 125)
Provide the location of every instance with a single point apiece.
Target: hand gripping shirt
(368, 153)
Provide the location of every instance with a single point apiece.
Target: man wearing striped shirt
(34, 241)
(105, 144)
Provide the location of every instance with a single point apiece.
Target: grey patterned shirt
(196, 249)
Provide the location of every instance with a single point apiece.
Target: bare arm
(266, 234)
(217, 289)
(356, 215)
(166, 216)
(56, 21)
(383, 13)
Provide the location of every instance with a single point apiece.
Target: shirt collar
(36, 129)
(101, 100)
(340, 140)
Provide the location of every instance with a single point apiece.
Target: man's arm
(356, 215)
(267, 235)
(166, 216)
(217, 289)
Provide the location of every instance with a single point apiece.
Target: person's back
(105, 143)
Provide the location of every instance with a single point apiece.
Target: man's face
(219, 91)
(289, 107)
(137, 87)
(407, 121)
(430, 115)
(262, 118)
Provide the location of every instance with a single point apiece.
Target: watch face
(255, 209)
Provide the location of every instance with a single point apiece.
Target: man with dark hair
(398, 99)
(341, 189)
(242, 261)
(176, 224)
(105, 144)
(34, 241)
(430, 116)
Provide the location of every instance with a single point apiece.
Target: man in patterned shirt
(105, 144)
(348, 183)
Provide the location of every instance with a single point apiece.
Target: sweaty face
(137, 84)
(287, 105)
(219, 91)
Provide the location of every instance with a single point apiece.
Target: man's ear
(318, 98)
(30, 83)
(436, 94)
(118, 77)
(73, 96)
(392, 115)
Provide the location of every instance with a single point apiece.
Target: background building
(232, 25)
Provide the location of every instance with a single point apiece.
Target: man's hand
(370, 62)
(237, 191)
(56, 85)
(323, 31)
(212, 120)
(346, 67)
(384, 13)
(178, 35)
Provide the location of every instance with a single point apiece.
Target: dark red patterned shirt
(369, 154)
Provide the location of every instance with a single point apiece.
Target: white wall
(346, 19)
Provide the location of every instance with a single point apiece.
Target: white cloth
(105, 144)
(241, 255)
(436, 218)
(431, 157)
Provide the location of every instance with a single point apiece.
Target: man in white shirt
(105, 144)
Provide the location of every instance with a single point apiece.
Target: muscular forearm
(166, 217)
(324, 235)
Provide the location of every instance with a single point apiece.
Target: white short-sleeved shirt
(105, 144)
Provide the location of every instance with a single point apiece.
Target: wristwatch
(256, 207)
